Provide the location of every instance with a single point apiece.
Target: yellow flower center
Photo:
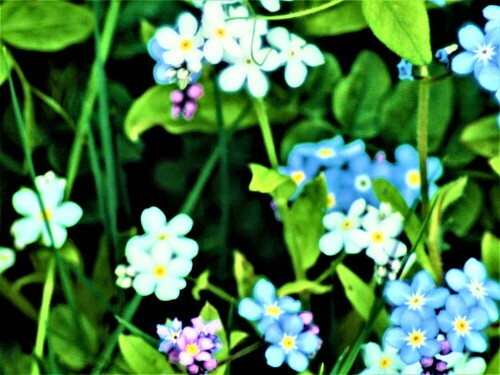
(415, 301)
(288, 343)
(330, 200)
(461, 326)
(160, 271)
(413, 178)
(220, 32)
(325, 152)
(48, 215)
(377, 237)
(162, 236)
(477, 289)
(416, 338)
(186, 44)
(273, 310)
(298, 177)
(347, 224)
(385, 362)
(192, 349)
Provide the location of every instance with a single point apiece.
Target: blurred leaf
(358, 97)
(386, 192)
(236, 337)
(5, 63)
(200, 284)
(403, 26)
(44, 26)
(141, 357)
(147, 31)
(78, 353)
(495, 164)
(483, 136)
(265, 180)
(154, 108)
(244, 274)
(172, 175)
(313, 130)
(490, 254)
(462, 214)
(303, 224)
(494, 366)
(300, 286)
(346, 17)
(455, 155)
(495, 202)
(209, 313)
(361, 297)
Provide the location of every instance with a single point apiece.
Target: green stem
(243, 352)
(422, 116)
(17, 299)
(43, 320)
(265, 128)
(83, 122)
(219, 292)
(330, 270)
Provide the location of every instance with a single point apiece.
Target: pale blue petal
(232, 78)
(59, 235)
(430, 348)
(289, 305)
(153, 220)
(470, 36)
(475, 270)
(169, 288)
(179, 267)
(307, 343)
(274, 334)
(292, 324)
(279, 38)
(264, 292)
(409, 355)
(422, 282)
(456, 279)
(250, 310)
(144, 284)
(489, 77)
(397, 292)
(331, 243)
(25, 202)
(463, 63)
(297, 361)
(431, 327)
(180, 225)
(491, 308)
(257, 83)
(275, 356)
(410, 321)
(455, 305)
(437, 297)
(395, 337)
(184, 247)
(456, 341)
(295, 73)
(476, 342)
(406, 155)
(67, 214)
(478, 318)
(26, 230)
(492, 288)
(312, 55)
(474, 366)
(371, 354)
(188, 24)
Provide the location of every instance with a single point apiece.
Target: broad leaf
(200, 284)
(209, 313)
(5, 63)
(490, 254)
(483, 136)
(265, 180)
(465, 211)
(244, 274)
(403, 26)
(236, 337)
(300, 286)
(361, 297)
(44, 26)
(495, 164)
(142, 358)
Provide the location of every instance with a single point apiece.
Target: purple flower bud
(189, 109)
(307, 317)
(177, 96)
(441, 366)
(380, 156)
(210, 364)
(193, 369)
(176, 110)
(195, 91)
(426, 361)
(445, 347)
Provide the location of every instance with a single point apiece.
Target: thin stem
(16, 298)
(330, 270)
(219, 292)
(267, 135)
(243, 352)
(422, 113)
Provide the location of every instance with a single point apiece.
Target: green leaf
(303, 225)
(300, 286)
(361, 297)
(346, 17)
(75, 354)
(200, 284)
(483, 136)
(5, 63)
(386, 192)
(265, 180)
(495, 164)
(455, 154)
(490, 254)
(44, 27)
(209, 313)
(147, 31)
(494, 366)
(494, 193)
(235, 337)
(465, 211)
(357, 98)
(244, 274)
(141, 357)
(154, 108)
(403, 26)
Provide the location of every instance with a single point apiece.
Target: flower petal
(144, 284)
(26, 231)
(25, 202)
(331, 243)
(475, 270)
(275, 356)
(180, 225)
(295, 73)
(463, 63)
(184, 247)
(232, 78)
(67, 214)
(297, 360)
(249, 309)
(312, 55)
(257, 83)
(153, 220)
(188, 24)
(476, 342)
(470, 37)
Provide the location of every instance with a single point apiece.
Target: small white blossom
(7, 258)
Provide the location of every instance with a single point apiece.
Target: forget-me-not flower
(405, 70)
(169, 333)
(7, 258)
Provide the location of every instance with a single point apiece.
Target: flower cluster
(159, 259)
(481, 54)
(227, 35)
(431, 322)
(348, 170)
(292, 334)
(192, 346)
(366, 227)
(51, 222)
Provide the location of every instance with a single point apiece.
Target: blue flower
(169, 334)
(290, 343)
(407, 174)
(266, 308)
(421, 296)
(474, 287)
(492, 27)
(405, 70)
(462, 324)
(415, 338)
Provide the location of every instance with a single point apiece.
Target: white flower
(7, 258)
(462, 364)
(380, 362)
(295, 53)
(271, 5)
(220, 34)
(58, 215)
(182, 46)
(344, 229)
(158, 272)
(245, 25)
(382, 226)
(245, 70)
(168, 236)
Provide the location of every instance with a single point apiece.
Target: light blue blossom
(169, 334)
(378, 361)
(462, 325)
(7, 258)
(421, 296)
(266, 307)
(492, 27)
(405, 70)
(474, 287)
(59, 215)
(463, 364)
(415, 338)
(290, 343)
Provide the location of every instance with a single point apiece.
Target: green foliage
(200, 284)
(403, 26)
(357, 98)
(463, 213)
(208, 313)
(44, 27)
(72, 350)
(236, 337)
(143, 358)
(483, 136)
(244, 274)
(361, 297)
(494, 365)
(490, 254)
(495, 164)
(265, 180)
(303, 286)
